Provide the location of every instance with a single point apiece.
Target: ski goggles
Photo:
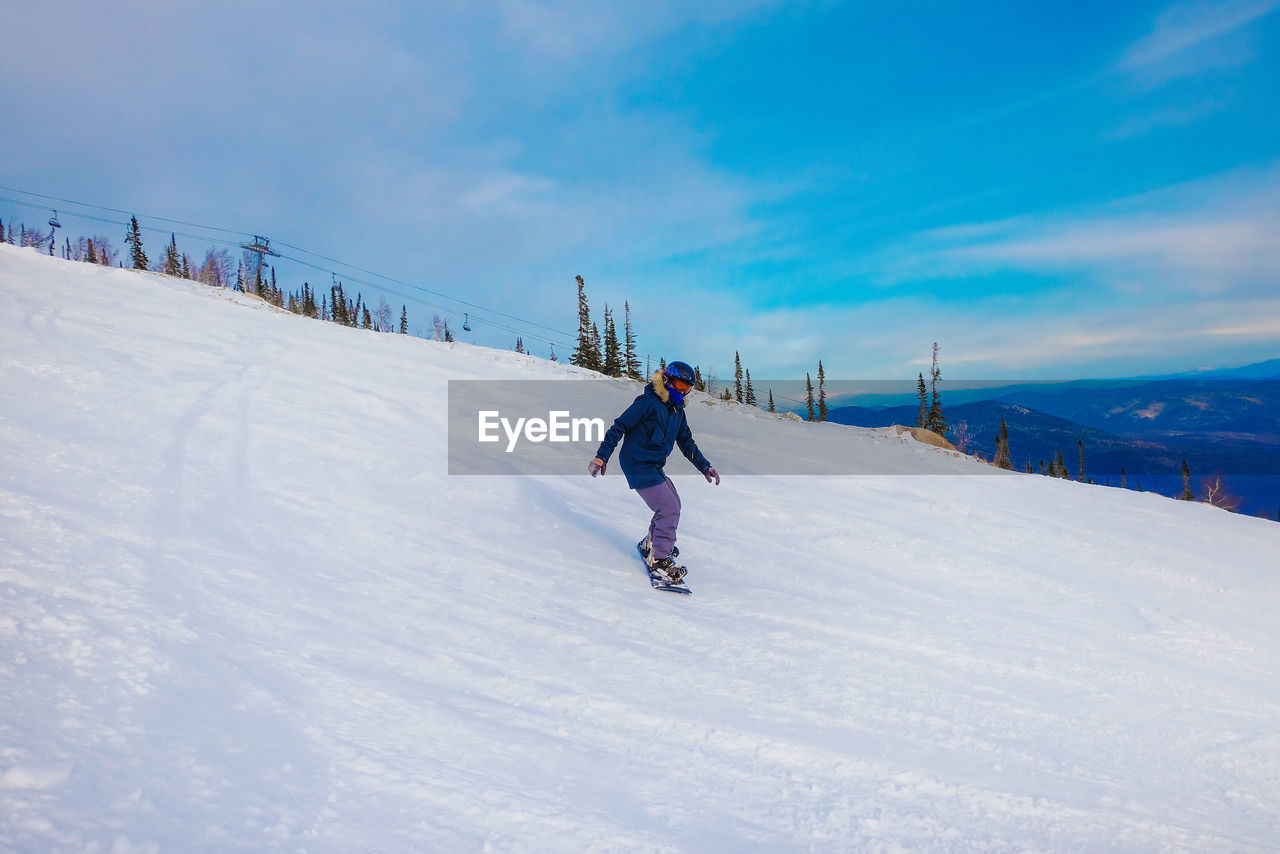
(680, 385)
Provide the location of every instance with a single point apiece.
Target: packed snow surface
(245, 608)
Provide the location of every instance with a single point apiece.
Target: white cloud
(1199, 254)
(456, 144)
(1190, 37)
(570, 30)
(1219, 235)
(1187, 25)
(1058, 338)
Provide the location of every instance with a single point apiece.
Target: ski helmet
(679, 379)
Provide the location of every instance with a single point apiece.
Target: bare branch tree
(1215, 492)
(216, 269)
(383, 321)
(35, 238)
(104, 250)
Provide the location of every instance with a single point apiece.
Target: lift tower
(260, 246)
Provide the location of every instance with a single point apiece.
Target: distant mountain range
(1223, 423)
(1268, 370)
(1034, 437)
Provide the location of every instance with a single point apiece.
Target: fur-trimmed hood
(659, 387)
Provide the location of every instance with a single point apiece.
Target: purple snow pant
(664, 501)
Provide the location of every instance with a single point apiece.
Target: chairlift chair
(466, 324)
(53, 221)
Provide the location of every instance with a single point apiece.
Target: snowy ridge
(245, 609)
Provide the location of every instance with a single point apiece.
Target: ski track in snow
(245, 608)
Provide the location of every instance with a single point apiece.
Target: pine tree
(597, 356)
(133, 237)
(1062, 467)
(1124, 480)
(614, 365)
(698, 382)
(1080, 443)
(448, 336)
(808, 387)
(585, 355)
(737, 377)
(749, 396)
(631, 360)
(92, 255)
(923, 393)
(1187, 494)
(822, 392)
(936, 421)
(172, 265)
(404, 320)
(772, 408)
(1003, 458)
(1, 231)
(519, 344)
(728, 395)
(366, 320)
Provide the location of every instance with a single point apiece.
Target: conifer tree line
(743, 390)
(608, 354)
(220, 269)
(815, 397)
(931, 416)
(1213, 490)
(616, 355)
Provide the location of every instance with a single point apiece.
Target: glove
(596, 466)
(711, 474)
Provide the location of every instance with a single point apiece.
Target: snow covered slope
(244, 608)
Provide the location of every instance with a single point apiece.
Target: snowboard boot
(667, 568)
(643, 547)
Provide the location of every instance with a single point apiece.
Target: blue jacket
(651, 425)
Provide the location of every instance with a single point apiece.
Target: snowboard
(660, 583)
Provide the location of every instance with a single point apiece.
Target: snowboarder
(651, 425)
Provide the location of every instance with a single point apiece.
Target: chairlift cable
(239, 244)
(420, 288)
(117, 210)
(205, 238)
(422, 301)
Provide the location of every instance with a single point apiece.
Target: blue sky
(1046, 191)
